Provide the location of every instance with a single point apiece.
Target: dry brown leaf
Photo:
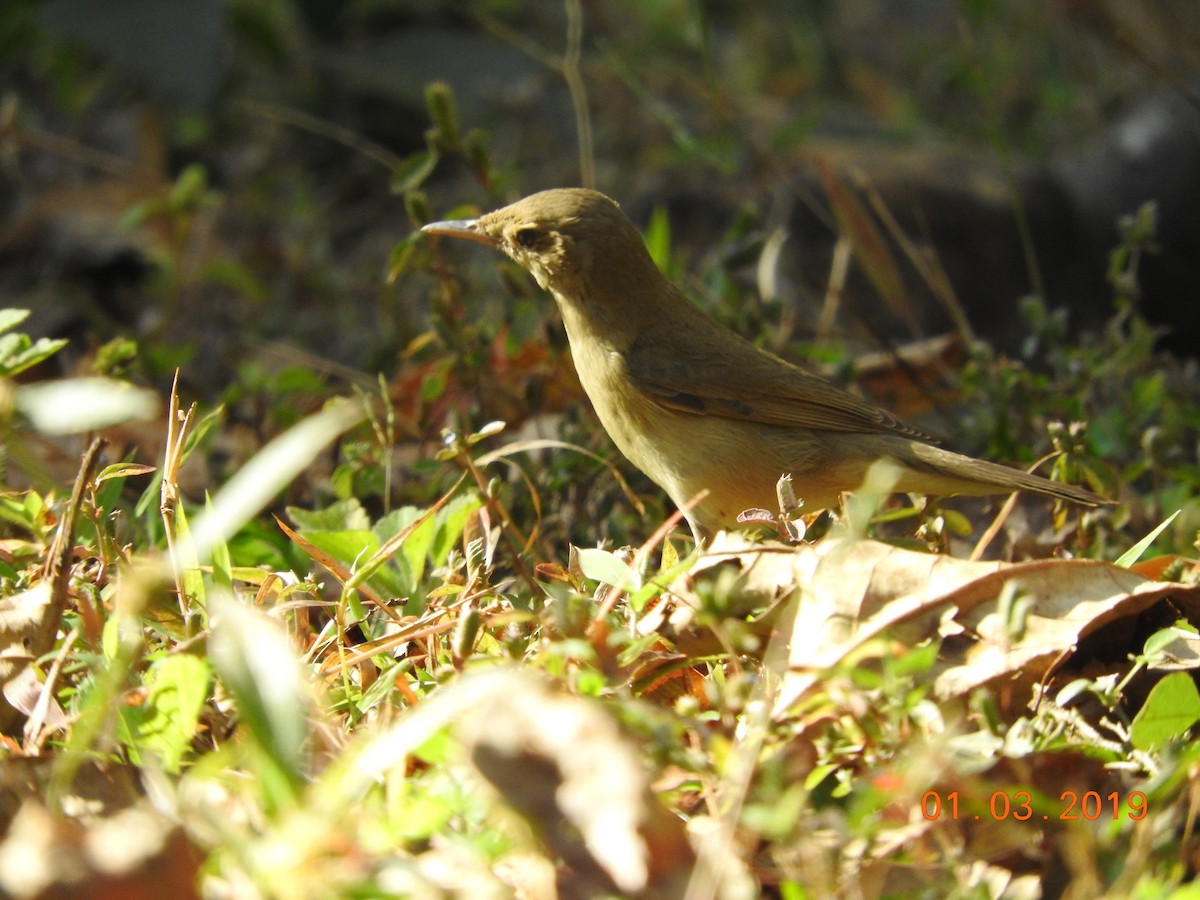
(1069, 601)
(1010, 621)
(23, 693)
(23, 619)
(106, 841)
(911, 378)
(871, 249)
(135, 853)
(326, 561)
(564, 764)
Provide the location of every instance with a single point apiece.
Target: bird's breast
(735, 460)
(681, 452)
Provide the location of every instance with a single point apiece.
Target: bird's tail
(990, 477)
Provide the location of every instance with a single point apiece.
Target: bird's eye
(527, 237)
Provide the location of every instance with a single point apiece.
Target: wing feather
(704, 382)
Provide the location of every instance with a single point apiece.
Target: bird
(708, 416)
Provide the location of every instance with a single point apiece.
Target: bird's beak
(460, 228)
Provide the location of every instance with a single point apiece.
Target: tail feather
(991, 478)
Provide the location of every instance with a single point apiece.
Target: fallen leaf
(1010, 621)
(564, 764)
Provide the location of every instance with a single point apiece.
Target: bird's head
(569, 239)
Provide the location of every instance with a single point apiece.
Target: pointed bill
(459, 228)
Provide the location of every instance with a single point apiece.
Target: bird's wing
(754, 386)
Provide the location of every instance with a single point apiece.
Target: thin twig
(517, 541)
(283, 115)
(1005, 512)
(177, 431)
(567, 66)
(57, 570)
(66, 148)
(928, 265)
(579, 100)
(35, 732)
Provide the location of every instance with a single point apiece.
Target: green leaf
(190, 189)
(344, 515)
(257, 483)
(1072, 690)
(382, 687)
(399, 257)
(221, 564)
(413, 171)
(915, 661)
(491, 428)
(1134, 553)
(670, 555)
(235, 275)
(451, 520)
(18, 352)
(439, 100)
(11, 318)
(818, 774)
(658, 239)
(186, 559)
(123, 470)
(345, 546)
(957, 523)
(1171, 709)
(415, 549)
(666, 575)
(260, 669)
(353, 548)
(433, 383)
(177, 687)
(1164, 638)
(601, 565)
